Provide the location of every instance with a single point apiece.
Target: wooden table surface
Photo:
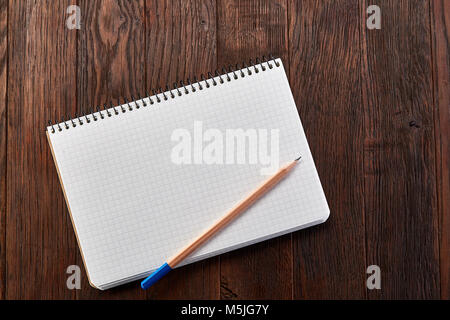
(374, 105)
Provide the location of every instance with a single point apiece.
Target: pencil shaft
(233, 213)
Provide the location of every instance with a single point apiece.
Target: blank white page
(133, 207)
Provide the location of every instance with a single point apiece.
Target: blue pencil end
(155, 276)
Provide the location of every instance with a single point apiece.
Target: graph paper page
(133, 206)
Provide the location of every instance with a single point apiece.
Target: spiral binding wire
(163, 95)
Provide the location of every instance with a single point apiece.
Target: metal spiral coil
(179, 88)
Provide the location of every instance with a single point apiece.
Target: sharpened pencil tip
(298, 158)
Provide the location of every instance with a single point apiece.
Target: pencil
(227, 218)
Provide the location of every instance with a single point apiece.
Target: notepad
(144, 178)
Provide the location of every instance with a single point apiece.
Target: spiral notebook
(142, 179)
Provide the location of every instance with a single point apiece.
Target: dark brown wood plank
(3, 132)
(329, 260)
(41, 81)
(440, 28)
(111, 64)
(246, 30)
(181, 43)
(399, 151)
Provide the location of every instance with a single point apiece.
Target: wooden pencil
(219, 225)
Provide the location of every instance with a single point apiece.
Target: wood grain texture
(41, 80)
(324, 73)
(399, 151)
(181, 44)
(111, 65)
(375, 106)
(440, 27)
(246, 30)
(3, 135)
